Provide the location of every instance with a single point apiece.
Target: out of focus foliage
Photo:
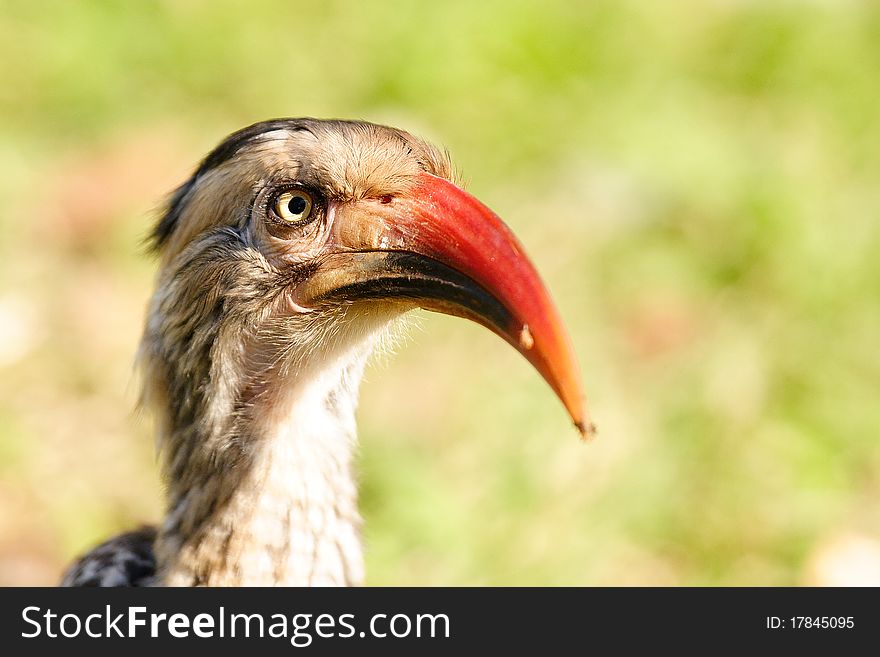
(699, 183)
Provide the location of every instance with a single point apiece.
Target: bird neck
(277, 505)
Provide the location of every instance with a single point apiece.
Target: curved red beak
(443, 250)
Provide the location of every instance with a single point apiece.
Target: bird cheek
(283, 232)
(291, 244)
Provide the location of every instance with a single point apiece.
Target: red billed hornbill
(287, 255)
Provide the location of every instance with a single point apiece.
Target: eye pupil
(297, 205)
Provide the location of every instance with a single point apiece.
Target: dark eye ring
(293, 206)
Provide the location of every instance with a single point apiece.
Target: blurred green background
(697, 182)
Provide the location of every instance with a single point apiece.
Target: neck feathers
(256, 419)
(287, 515)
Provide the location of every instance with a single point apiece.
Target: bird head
(295, 235)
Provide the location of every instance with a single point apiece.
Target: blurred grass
(698, 183)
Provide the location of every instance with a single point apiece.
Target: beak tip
(587, 430)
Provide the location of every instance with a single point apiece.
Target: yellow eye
(293, 206)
